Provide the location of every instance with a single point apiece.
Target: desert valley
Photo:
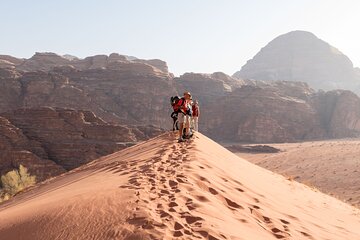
(95, 132)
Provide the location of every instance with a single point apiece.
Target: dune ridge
(161, 189)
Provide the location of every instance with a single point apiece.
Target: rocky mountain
(51, 140)
(115, 89)
(60, 112)
(133, 92)
(282, 111)
(301, 56)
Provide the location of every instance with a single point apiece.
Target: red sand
(333, 166)
(161, 189)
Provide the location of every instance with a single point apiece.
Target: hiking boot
(188, 136)
(181, 140)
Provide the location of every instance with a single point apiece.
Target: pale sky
(190, 35)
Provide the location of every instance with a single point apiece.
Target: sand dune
(161, 189)
(333, 166)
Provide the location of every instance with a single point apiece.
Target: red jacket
(195, 110)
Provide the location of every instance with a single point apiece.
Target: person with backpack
(183, 108)
(195, 115)
(174, 115)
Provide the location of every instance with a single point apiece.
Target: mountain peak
(301, 56)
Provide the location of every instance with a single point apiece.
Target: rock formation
(46, 61)
(206, 86)
(58, 112)
(263, 114)
(301, 56)
(132, 91)
(279, 112)
(16, 148)
(123, 92)
(339, 112)
(61, 139)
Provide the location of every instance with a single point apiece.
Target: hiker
(174, 115)
(184, 111)
(195, 115)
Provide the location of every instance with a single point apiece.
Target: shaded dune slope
(161, 189)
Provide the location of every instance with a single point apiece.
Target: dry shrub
(15, 181)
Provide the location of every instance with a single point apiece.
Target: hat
(187, 93)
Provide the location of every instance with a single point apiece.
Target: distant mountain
(301, 56)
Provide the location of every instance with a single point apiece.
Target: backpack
(173, 100)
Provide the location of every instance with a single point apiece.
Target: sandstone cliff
(61, 139)
(124, 92)
(132, 91)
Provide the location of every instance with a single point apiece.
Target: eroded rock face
(207, 86)
(301, 56)
(59, 139)
(340, 113)
(130, 91)
(16, 148)
(262, 114)
(42, 61)
(13, 60)
(47, 61)
(281, 112)
(124, 92)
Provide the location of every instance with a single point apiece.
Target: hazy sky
(190, 35)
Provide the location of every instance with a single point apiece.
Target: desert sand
(161, 189)
(332, 166)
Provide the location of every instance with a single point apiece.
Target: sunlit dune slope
(161, 189)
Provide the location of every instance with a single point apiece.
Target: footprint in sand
(178, 226)
(192, 219)
(204, 179)
(239, 189)
(202, 198)
(232, 204)
(205, 234)
(178, 234)
(173, 204)
(306, 235)
(277, 233)
(173, 184)
(213, 191)
(267, 220)
(284, 221)
(190, 204)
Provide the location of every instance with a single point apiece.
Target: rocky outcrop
(301, 56)
(206, 86)
(16, 148)
(13, 60)
(130, 91)
(339, 112)
(42, 61)
(58, 139)
(47, 61)
(281, 112)
(262, 114)
(125, 92)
